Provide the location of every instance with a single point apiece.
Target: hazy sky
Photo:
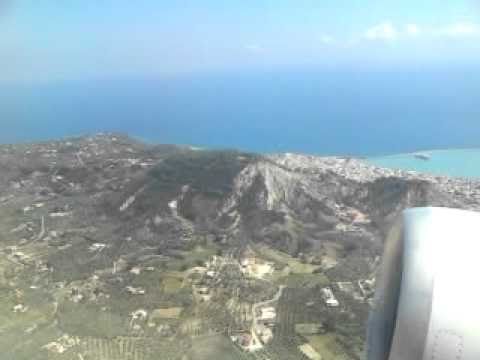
(50, 40)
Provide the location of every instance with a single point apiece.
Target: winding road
(262, 304)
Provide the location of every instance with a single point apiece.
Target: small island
(422, 156)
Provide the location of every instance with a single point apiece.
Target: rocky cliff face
(302, 205)
(162, 197)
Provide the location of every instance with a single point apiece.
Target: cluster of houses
(261, 332)
(256, 268)
(265, 323)
(361, 290)
(62, 344)
(135, 290)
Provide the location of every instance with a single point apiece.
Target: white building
(329, 297)
(267, 314)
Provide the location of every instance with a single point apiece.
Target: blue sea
(451, 162)
(337, 112)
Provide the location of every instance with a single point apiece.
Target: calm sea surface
(462, 163)
(359, 113)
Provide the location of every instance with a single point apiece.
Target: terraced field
(294, 264)
(121, 348)
(291, 310)
(327, 346)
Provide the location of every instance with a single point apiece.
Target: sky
(50, 40)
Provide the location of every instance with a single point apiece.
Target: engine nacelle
(427, 303)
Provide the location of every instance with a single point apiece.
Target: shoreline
(401, 170)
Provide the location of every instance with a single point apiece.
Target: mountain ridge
(92, 224)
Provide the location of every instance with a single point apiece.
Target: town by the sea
(346, 113)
